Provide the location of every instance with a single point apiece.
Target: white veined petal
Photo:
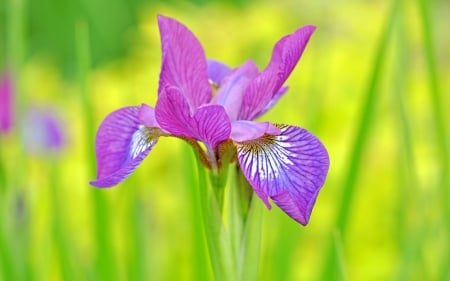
(291, 166)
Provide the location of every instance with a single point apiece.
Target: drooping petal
(173, 114)
(121, 144)
(217, 71)
(212, 124)
(183, 63)
(242, 131)
(209, 123)
(289, 168)
(233, 88)
(285, 55)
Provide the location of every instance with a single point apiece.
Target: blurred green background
(373, 85)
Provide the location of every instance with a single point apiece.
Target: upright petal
(273, 101)
(290, 168)
(217, 71)
(233, 87)
(285, 55)
(121, 144)
(183, 63)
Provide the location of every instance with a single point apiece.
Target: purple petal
(174, 115)
(121, 144)
(287, 53)
(6, 103)
(146, 115)
(242, 131)
(233, 88)
(213, 125)
(42, 131)
(273, 101)
(183, 63)
(290, 168)
(209, 124)
(217, 71)
(285, 56)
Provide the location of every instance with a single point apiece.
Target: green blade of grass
(105, 267)
(8, 264)
(362, 132)
(59, 233)
(18, 234)
(410, 238)
(439, 121)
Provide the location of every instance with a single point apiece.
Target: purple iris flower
(208, 102)
(6, 103)
(42, 131)
(40, 128)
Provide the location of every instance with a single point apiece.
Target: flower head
(42, 131)
(40, 128)
(6, 103)
(200, 100)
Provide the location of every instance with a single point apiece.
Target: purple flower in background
(42, 131)
(6, 103)
(40, 128)
(209, 102)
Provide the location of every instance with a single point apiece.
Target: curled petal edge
(290, 168)
(122, 142)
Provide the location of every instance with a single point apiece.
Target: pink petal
(242, 131)
(146, 115)
(217, 71)
(121, 144)
(209, 124)
(233, 88)
(174, 115)
(290, 168)
(213, 125)
(285, 56)
(6, 103)
(183, 63)
(273, 101)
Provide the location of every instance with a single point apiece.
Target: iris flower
(6, 101)
(40, 128)
(42, 131)
(214, 108)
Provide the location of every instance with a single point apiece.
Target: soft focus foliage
(373, 90)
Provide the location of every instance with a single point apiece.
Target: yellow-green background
(373, 85)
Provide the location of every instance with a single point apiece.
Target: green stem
(250, 242)
(201, 267)
(234, 252)
(220, 251)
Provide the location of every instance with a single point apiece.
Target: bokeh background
(373, 85)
